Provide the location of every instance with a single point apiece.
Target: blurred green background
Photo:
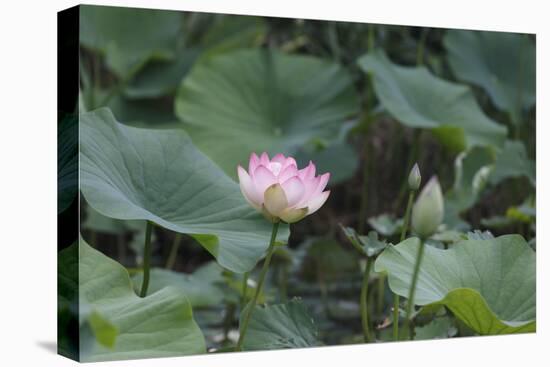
(363, 101)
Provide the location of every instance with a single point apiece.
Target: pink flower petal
(287, 173)
(262, 179)
(279, 158)
(316, 202)
(253, 163)
(264, 159)
(307, 172)
(322, 183)
(310, 189)
(275, 168)
(290, 162)
(248, 189)
(294, 190)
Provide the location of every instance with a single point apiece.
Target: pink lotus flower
(280, 190)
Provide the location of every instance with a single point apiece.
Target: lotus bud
(427, 212)
(414, 178)
(279, 190)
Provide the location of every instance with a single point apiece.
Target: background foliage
(364, 102)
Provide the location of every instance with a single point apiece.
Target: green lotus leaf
(67, 162)
(501, 63)
(129, 37)
(225, 33)
(339, 159)
(158, 175)
(513, 162)
(200, 287)
(418, 99)
(258, 100)
(281, 326)
(488, 284)
(161, 77)
(117, 324)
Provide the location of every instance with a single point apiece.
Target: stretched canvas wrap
(231, 183)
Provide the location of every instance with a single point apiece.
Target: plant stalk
(170, 262)
(404, 231)
(410, 301)
(252, 304)
(244, 288)
(146, 259)
(363, 302)
(365, 192)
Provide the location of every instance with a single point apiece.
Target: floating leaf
(129, 37)
(419, 99)
(67, 162)
(488, 284)
(124, 325)
(502, 63)
(281, 326)
(200, 287)
(258, 100)
(158, 175)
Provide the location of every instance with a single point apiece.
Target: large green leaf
(281, 326)
(129, 37)
(340, 159)
(67, 162)
(161, 77)
(488, 284)
(419, 99)
(201, 287)
(122, 324)
(513, 162)
(226, 33)
(258, 100)
(223, 33)
(159, 175)
(501, 63)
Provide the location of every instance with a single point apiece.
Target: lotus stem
(410, 301)
(173, 252)
(244, 288)
(363, 302)
(250, 309)
(146, 260)
(404, 230)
